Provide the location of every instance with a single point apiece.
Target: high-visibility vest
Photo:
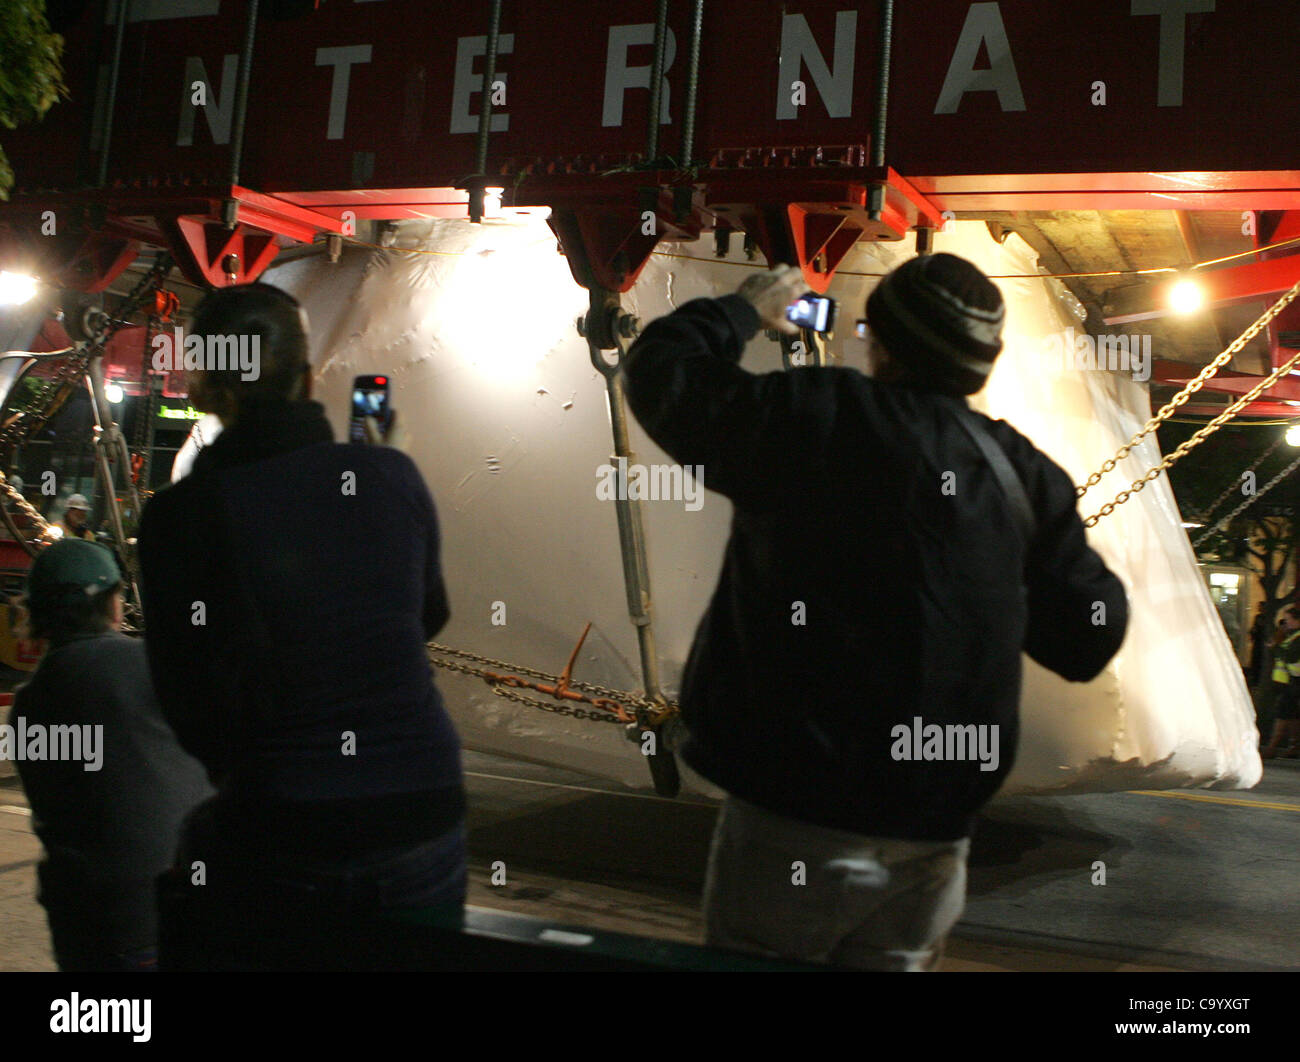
(1286, 660)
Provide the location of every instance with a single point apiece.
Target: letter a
(983, 26)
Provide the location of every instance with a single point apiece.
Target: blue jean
(276, 911)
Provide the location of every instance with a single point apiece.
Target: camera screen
(815, 312)
(367, 403)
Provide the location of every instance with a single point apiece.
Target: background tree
(1264, 536)
(31, 71)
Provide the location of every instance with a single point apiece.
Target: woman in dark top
(290, 585)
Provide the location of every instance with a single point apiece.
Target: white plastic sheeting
(508, 422)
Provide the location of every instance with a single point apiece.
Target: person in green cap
(109, 785)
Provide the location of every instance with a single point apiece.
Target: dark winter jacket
(873, 578)
(107, 832)
(290, 585)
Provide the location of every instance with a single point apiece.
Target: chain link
(1232, 487)
(1225, 521)
(1175, 403)
(657, 712)
(1188, 445)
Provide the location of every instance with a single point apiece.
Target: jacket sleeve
(1078, 609)
(190, 634)
(755, 436)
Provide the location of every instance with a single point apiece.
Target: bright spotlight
(16, 288)
(1293, 435)
(1186, 296)
(113, 393)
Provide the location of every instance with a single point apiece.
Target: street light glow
(1186, 297)
(16, 288)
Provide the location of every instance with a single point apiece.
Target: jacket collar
(265, 429)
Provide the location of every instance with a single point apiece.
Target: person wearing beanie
(854, 684)
(109, 785)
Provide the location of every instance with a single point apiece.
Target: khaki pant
(784, 888)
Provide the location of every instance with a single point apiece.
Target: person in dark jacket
(110, 815)
(854, 683)
(290, 585)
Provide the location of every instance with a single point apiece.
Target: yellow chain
(657, 712)
(1186, 447)
(1172, 406)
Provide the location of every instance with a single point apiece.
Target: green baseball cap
(72, 565)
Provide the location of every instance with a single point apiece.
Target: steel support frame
(104, 231)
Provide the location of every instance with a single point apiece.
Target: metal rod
(489, 75)
(110, 443)
(631, 535)
(692, 84)
(241, 93)
(881, 123)
(111, 102)
(656, 80)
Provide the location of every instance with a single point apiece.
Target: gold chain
(656, 712)
(1179, 399)
(1172, 406)
(1190, 444)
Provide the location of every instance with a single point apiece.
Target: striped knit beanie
(941, 319)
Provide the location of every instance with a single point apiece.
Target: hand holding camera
(776, 295)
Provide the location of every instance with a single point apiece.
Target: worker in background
(305, 685)
(110, 820)
(1286, 687)
(76, 516)
(876, 591)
